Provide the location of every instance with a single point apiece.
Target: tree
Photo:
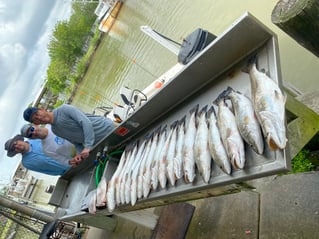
(67, 45)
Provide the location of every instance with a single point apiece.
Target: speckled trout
(229, 133)
(178, 158)
(147, 167)
(216, 147)
(162, 166)
(269, 103)
(188, 148)
(156, 160)
(135, 171)
(142, 166)
(170, 155)
(110, 194)
(201, 149)
(246, 119)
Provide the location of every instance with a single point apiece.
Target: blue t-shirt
(36, 160)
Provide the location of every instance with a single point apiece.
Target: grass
(302, 163)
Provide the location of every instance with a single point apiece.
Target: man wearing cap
(67, 121)
(32, 156)
(53, 146)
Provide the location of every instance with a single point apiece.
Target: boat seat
(132, 100)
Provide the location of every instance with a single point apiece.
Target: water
(128, 57)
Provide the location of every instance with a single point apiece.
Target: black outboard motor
(193, 44)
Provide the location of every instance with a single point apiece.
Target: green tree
(67, 43)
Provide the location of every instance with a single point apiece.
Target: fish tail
(158, 130)
(164, 129)
(194, 110)
(174, 125)
(203, 110)
(250, 62)
(221, 97)
(182, 121)
(210, 111)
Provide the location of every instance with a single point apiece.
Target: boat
(197, 82)
(101, 10)
(112, 10)
(192, 44)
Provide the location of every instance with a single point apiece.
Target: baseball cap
(27, 114)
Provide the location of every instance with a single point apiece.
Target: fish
(110, 194)
(162, 166)
(215, 144)
(142, 165)
(178, 158)
(170, 155)
(126, 186)
(147, 166)
(201, 148)
(157, 155)
(269, 104)
(101, 193)
(188, 148)
(92, 202)
(135, 171)
(246, 119)
(229, 133)
(120, 186)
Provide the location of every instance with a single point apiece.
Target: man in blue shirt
(32, 156)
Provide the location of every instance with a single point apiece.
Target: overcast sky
(25, 30)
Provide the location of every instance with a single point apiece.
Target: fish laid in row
(230, 135)
(156, 160)
(216, 147)
(188, 148)
(201, 148)
(246, 119)
(178, 158)
(269, 104)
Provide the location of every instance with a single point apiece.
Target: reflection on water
(131, 58)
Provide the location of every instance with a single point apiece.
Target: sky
(25, 31)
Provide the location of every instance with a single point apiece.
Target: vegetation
(302, 163)
(67, 49)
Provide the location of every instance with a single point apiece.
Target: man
(32, 156)
(69, 122)
(53, 146)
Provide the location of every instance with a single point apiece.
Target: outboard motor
(193, 44)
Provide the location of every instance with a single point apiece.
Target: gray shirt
(81, 129)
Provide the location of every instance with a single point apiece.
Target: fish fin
(229, 89)
(279, 95)
(272, 145)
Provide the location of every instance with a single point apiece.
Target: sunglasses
(31, 131)
(13, 147)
